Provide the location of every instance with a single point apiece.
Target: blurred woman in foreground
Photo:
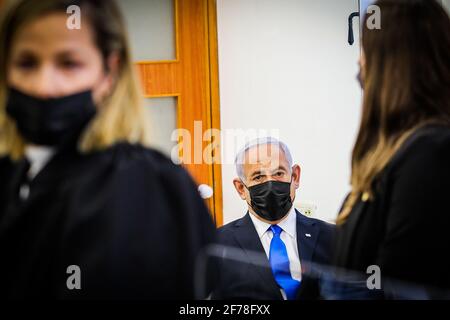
(79, 190)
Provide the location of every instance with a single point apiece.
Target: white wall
(286, 65)
(446, 4)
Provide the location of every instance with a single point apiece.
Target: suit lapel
(247, 237)
(307, 235)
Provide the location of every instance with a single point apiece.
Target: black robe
(130, 219)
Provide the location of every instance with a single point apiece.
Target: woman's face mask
(271, 200)
(50, 122)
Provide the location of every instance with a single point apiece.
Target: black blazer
(252, 278)
(405, 229)
(131, 220)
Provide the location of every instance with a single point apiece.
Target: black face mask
(50, 122)
(271, 200)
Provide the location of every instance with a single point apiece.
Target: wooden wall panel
(160, 79)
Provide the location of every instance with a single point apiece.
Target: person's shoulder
(125, 153)
(124, 157)
(230, 225)
(228, 229)
(137, 169)
(133, 176)
(329, 227)
(428, 143)
(432, 136)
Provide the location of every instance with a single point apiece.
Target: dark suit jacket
(252, 277)
(405, 229)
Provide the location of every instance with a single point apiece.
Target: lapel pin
(308, 235)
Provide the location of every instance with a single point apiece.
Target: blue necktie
(279, 262)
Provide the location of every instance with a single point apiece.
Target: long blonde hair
(121, 116)
(406, 86)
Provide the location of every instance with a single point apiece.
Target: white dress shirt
(38, 156)
(289, 237)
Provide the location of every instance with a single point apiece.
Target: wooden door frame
(196, 17)
(215, 106)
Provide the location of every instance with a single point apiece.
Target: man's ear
(240, 188)
(296, 172)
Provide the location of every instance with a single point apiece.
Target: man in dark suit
(265, 254)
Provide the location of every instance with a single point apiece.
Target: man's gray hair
(240, 157)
